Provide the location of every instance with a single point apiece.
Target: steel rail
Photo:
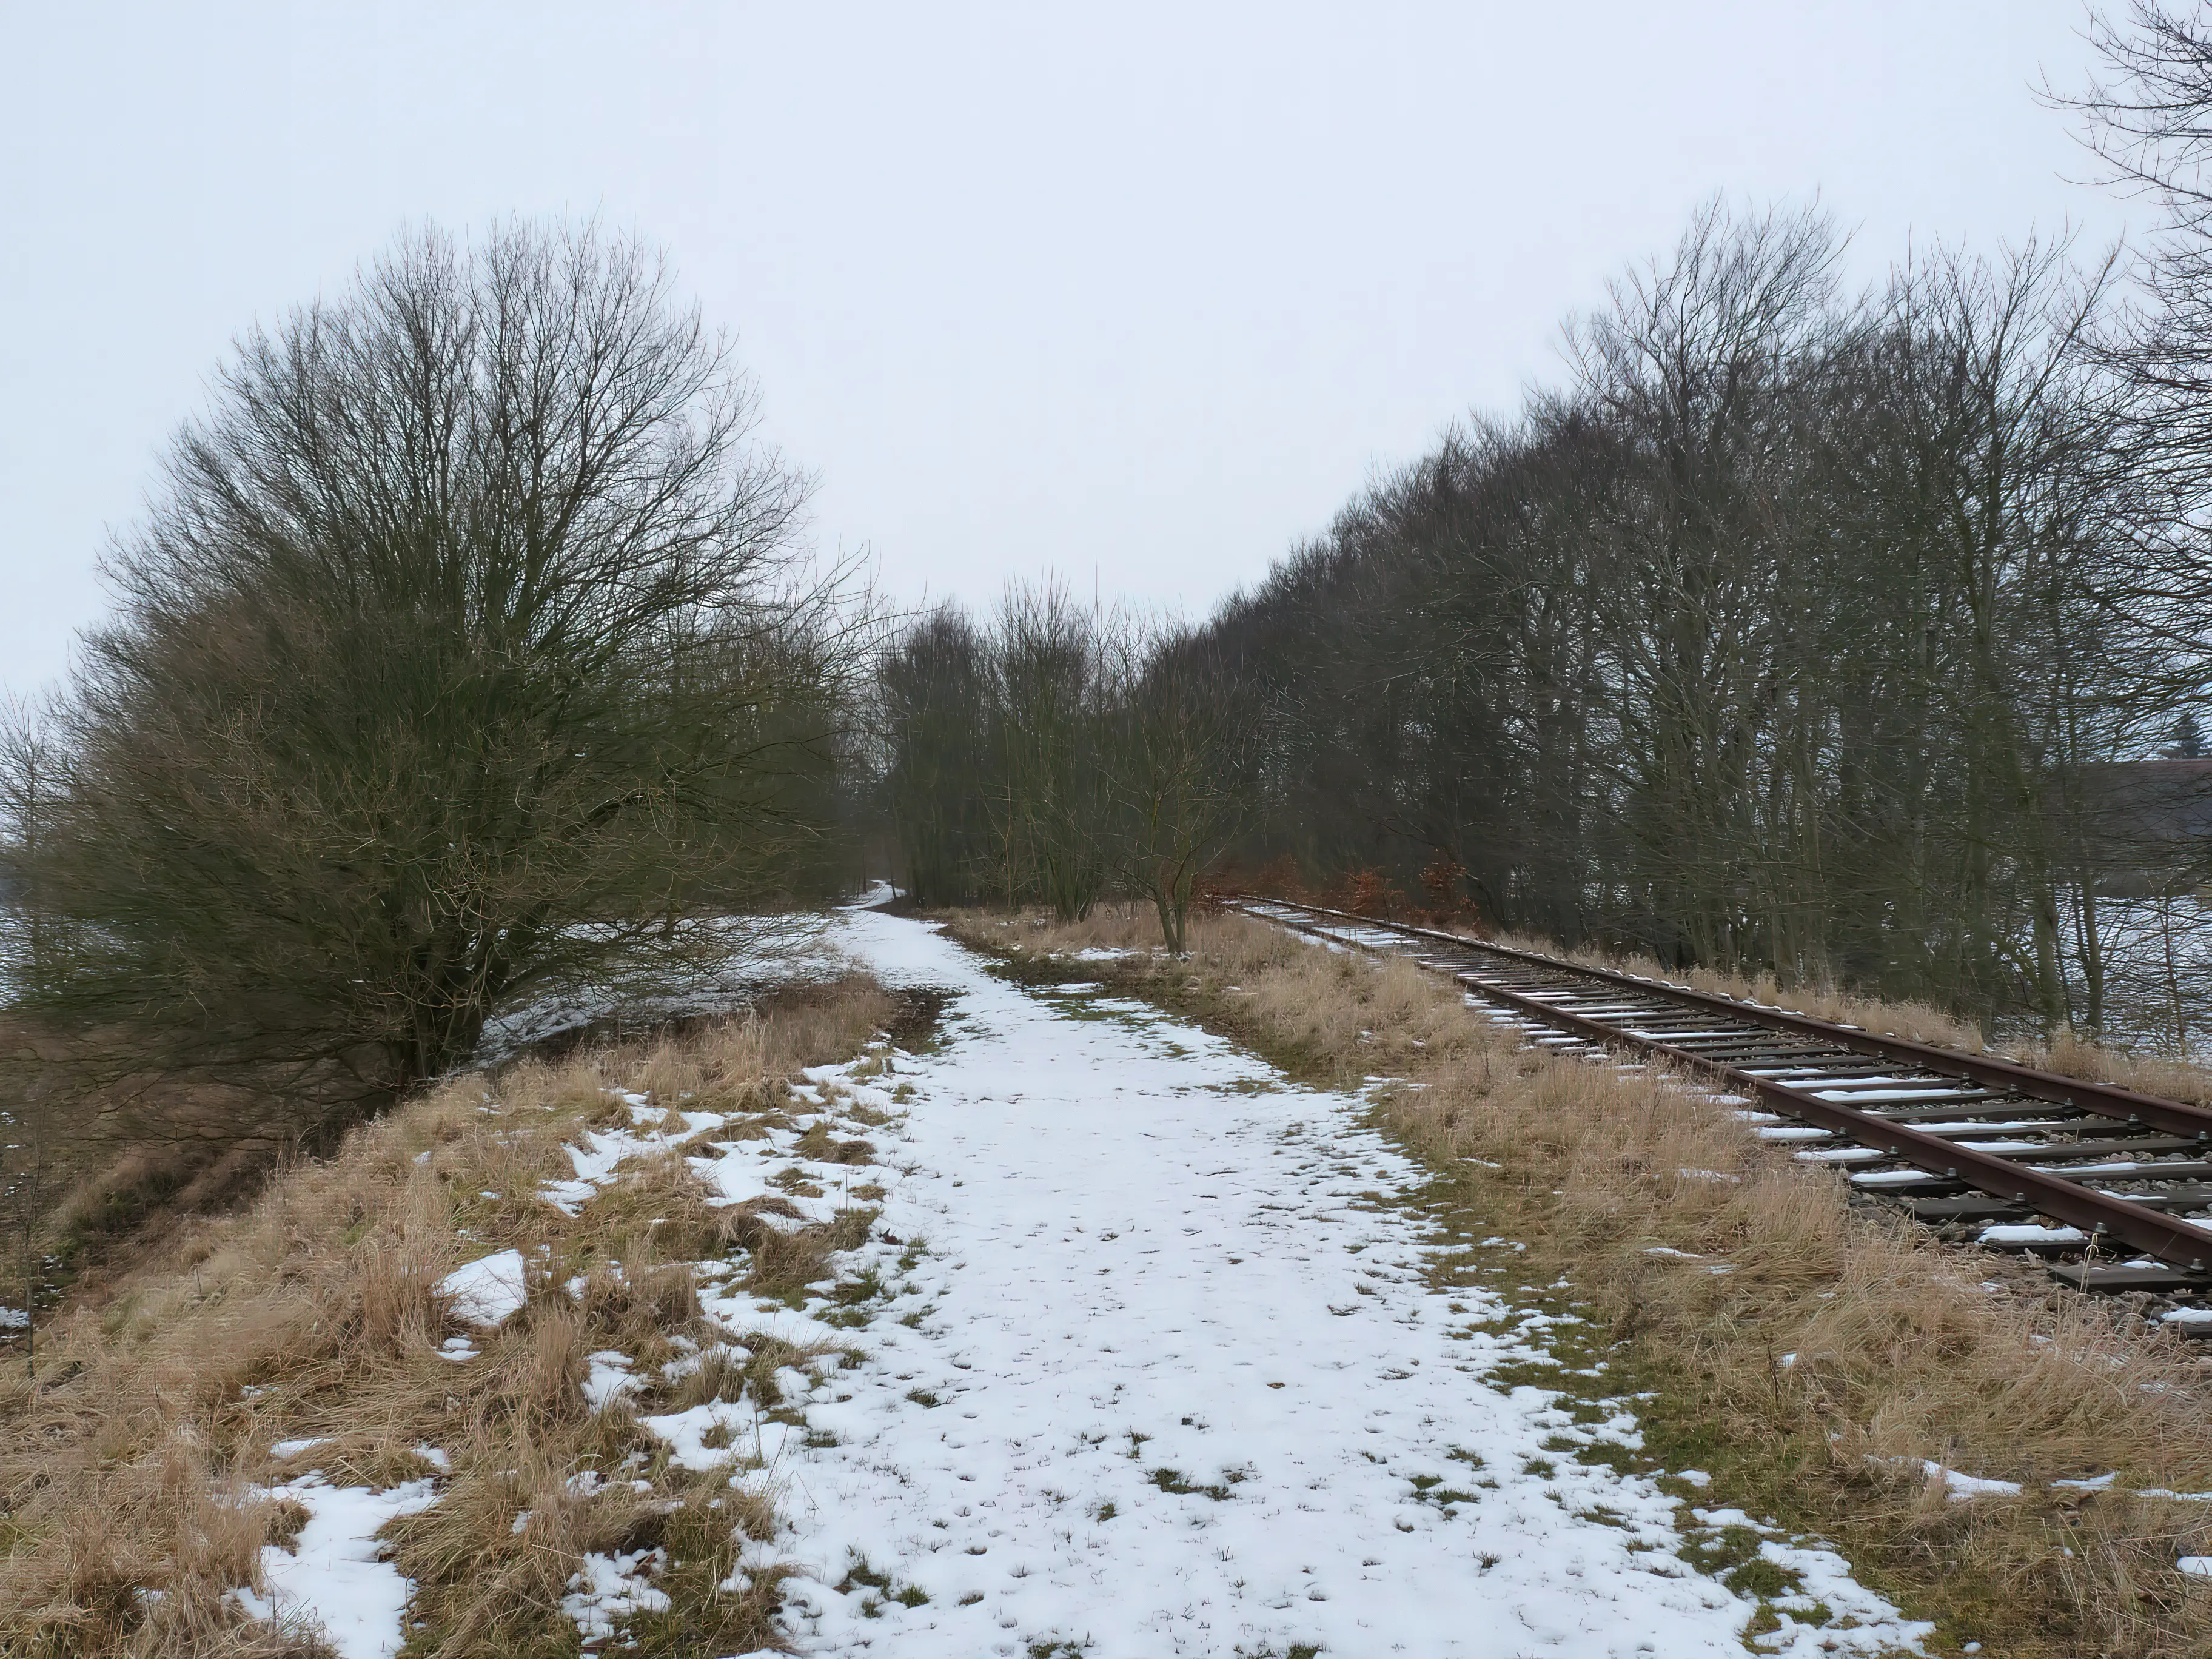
(2103, 1217)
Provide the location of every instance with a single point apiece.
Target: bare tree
(1177, 764)
(934, 692)
(1693, 362)
(463, 657)
(1049, 719)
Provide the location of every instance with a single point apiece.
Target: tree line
(1788, 635)
(1800, 630)
(1053, 754)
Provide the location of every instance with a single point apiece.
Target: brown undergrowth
(1817, 1357)
(133, 1466)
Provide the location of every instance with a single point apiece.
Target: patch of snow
(286, 1449)
(2027, 1232)
(608, 1380)
(694, 1358)
(2094, 1483)
(755, 954)
(613, 1588)
(746, 1437)
(1708, 1175)
(458, 1349)
(333, 1576)
(1961, 1488)
(2197, 1566)
(487, 1291)
(756, 1557)
(790, 1381)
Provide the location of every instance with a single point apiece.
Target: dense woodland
(1054, 755)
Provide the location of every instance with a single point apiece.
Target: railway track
(2112, 1190)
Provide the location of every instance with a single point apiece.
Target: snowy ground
(1147, 1359)
(1170, 1379)
(736, 959)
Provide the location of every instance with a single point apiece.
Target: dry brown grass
(1904, 1349)
(130, 1466)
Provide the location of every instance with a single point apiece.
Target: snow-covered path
(1180, 1387)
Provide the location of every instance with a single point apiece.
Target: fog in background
(1141, 293)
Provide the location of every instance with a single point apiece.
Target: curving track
(2111, 1188)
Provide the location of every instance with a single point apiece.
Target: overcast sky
(1139, 293)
